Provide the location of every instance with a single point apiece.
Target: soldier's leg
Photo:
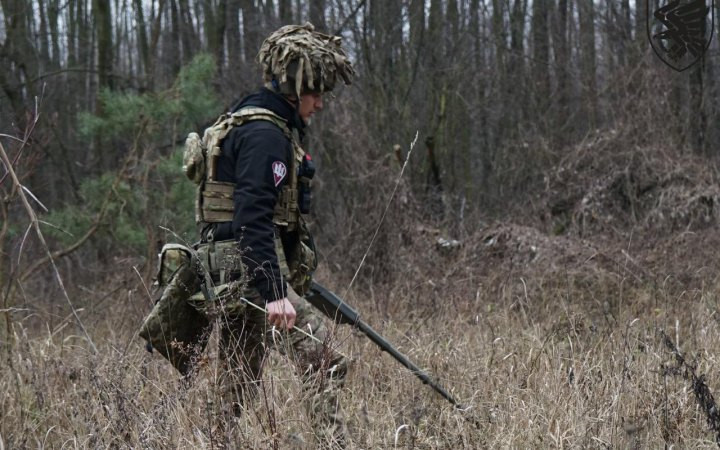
(242, 351)
(322, 368)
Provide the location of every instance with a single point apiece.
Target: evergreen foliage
(144, 123)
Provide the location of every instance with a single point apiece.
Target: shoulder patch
(279, 171)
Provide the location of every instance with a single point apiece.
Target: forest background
(562, 184)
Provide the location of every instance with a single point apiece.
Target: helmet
(297, 59)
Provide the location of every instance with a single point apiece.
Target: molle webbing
(282, 260)
(215, 200)
(286, 212)
(217, 205)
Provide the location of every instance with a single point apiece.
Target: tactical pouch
(217, 202)
(226, 301)
(174, 328)
(302, 262)
(193, 159)
(221, 260)
(302, 268)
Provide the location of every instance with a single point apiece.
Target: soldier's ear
(292, 99)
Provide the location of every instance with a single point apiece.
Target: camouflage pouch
(174, 328)
(194, 159)
(227, 301)
(303, 261)
(221, 260)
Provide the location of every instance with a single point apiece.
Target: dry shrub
(603, 186)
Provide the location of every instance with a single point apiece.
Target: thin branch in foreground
(702, 392)
(99, 217)
(382, 217)
(36, 224)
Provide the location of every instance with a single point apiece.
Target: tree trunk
(697, 116)
(562, 61)
(251, 32)
(233, 37)
(103, 24)
(588, 68)
(85, 54)
(541, 56)
(44, 32)
(187, 31)
(143, 38)
(286, 14)
(417, 23)
(215, 29)
(317, 15)
(18, 52)
(641, 40)
(155, 33)
(516, 72)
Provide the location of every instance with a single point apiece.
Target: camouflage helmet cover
(301, 59)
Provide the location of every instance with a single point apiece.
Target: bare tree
(317, 14)
(103, 22)
(586, 11)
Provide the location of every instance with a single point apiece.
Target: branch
(24, 141)
(98, 219)
(349, 17)
(702, 392)
(36, 226)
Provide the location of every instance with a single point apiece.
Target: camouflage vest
(214, 199)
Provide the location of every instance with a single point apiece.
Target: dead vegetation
(547, 332)
(562, 364)
(601, 187)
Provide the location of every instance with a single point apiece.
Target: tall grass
(550, 360)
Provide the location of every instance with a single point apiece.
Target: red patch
(279, 171)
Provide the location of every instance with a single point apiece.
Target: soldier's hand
(281, 313)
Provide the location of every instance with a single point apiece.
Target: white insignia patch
(279, 171)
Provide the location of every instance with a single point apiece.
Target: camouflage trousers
(245, 340)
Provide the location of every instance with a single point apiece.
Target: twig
(96, 222)
(350, 16)
(36, 225)
(382, 218)
(23, 141)
(701, 390)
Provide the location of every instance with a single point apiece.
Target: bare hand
(281, 313)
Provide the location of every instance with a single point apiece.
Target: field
(593, 324)
(567, 352)
(520, 196)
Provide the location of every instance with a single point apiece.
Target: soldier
(252, 199)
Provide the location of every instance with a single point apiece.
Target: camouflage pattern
(174, 328)
(170, 259)
(245, 338)
(194, 159)
(302, 60)
(221, 260)
(301, 260)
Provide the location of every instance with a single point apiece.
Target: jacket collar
(265, 98)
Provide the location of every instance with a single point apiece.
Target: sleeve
(261, 171)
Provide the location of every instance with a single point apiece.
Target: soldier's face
(309, 105)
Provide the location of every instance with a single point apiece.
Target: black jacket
(250, 155)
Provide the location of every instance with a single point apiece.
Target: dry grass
(553, 360)
(548, 340)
